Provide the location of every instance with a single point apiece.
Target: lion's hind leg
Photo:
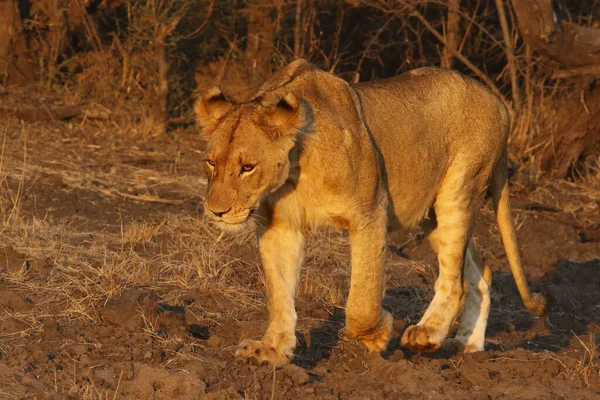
(449, 238)
(471, 333)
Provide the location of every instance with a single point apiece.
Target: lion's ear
(210, 107)
(286, 117)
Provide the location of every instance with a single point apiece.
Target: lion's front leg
(366, 321)
(281, 250)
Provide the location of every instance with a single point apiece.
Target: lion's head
(248, 151)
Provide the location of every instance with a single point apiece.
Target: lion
(310, 150)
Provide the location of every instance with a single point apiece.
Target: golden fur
(311, 150)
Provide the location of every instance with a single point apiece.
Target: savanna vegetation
(112, 283)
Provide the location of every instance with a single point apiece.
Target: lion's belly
(414, 168)
(409, 204)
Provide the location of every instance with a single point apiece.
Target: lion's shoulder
(286, 77)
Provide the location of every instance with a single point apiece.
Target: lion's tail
(536, 303)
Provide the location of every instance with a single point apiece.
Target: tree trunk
(261, 37)
(16, 66)
(571, 45)
(160, 115)
(510, 55)
(576, 48)
(452, 29)
(160, 112)
(8, 13)
(55, 40)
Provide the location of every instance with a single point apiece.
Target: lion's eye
(210, 162)
(247, 167)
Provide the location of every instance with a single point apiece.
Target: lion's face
(248, 153)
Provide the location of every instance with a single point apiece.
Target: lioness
(311, 150)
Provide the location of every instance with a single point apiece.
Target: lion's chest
(308, 206)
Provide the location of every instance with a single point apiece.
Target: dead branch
(570, 44)
(298, 30)
(160, 112)
(510, 55)
(152, 199)
(460, 57)
(45, 113)
(209, 12)
(593, 70)
(371, 43)
(452, 26)
(90, 26)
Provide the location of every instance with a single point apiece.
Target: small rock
(13, 262)
(214, 342)
(480, 356)
(77, 350)
(321, 370)
(172, 321)
(297, 374)
(397, 356)
(85, 360)
(125, 371)
(373, 358)
(199, 331)
(125, 310)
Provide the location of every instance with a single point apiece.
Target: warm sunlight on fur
(422, 148)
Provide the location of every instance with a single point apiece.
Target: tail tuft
(538, 305)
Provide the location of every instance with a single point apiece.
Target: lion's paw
(471, 348)
(460, 345)
(420, 338)
(376, 339)
(454, 345)
(262, 352)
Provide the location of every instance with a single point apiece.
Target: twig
(118, 383)
(372, 42)
(90, 27)
(585, 70)
(273, 386)
(585, 107)
(126, 59)
(297, 30)
(152, 199)
(510, 55)
(209, 13)
(232, 46)
(460, 57)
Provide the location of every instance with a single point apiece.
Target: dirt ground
(113, 285)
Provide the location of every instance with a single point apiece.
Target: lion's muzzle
(229, 218)
(215, 213)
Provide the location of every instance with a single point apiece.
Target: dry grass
(165, 253)
(72, 264)
(169, 253)
(584, 368)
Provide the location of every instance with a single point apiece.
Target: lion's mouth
(236, 220)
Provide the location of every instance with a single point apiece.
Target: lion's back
(424, 120)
